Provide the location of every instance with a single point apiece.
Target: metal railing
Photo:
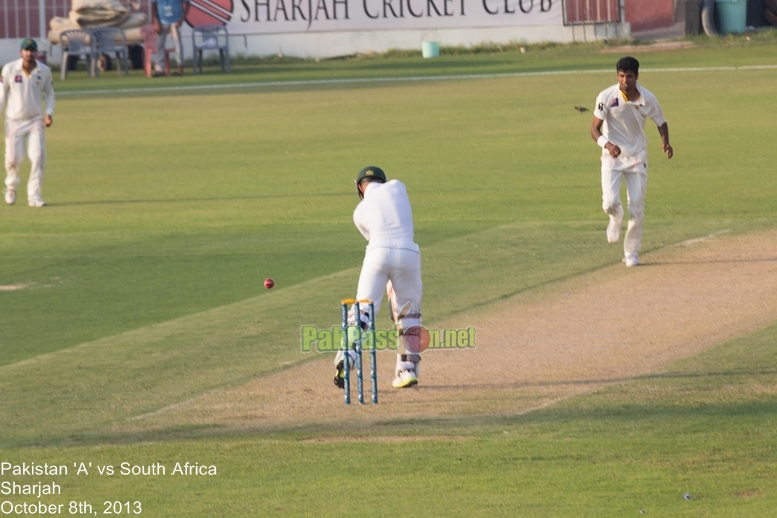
(592, 12)
(30, 18)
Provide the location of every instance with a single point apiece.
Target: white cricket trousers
(161, 40)
(634, 170)
(403, 267)
(15, 133)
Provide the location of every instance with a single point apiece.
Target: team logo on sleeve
(614, 103)
(17, 79)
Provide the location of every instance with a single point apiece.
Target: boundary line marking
(400, 79)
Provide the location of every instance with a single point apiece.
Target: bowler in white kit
(392, 262)
(26, 83)
(618, 127)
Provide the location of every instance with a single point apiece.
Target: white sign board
(306, 16)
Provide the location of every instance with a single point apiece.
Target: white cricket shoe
(37, 202)
(631, 260)
(405, 378)
(10, 196)
(613, 230)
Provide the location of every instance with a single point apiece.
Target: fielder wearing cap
(392, 262)
(26, 84)
(618, 127)
(29, 43)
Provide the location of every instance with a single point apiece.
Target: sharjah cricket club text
(314, 10)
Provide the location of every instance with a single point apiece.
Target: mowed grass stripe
(403, 79)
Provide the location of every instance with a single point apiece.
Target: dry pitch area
(536, 348)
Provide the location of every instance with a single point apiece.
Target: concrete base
(601, 31)
(671, 32)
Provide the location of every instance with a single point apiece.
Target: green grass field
(142, 281)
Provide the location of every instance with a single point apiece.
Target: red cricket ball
(269, 283)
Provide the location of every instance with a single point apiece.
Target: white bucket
(430, 49)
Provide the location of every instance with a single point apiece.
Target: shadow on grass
(456, 427)
(607, 381)
(710, 261)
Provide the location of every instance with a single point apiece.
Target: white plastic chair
(112, 41)
(79, 42)
(210, 37)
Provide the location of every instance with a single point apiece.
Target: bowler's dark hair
(627, 64)
(370, 179)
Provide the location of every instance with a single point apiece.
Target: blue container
(732, 16)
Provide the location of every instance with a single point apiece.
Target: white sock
(351, 357)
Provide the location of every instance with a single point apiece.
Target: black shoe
(340, 376)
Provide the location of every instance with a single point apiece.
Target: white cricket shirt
(624, 120)
(24, 94)
(385, 217)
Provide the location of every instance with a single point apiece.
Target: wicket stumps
(357, 346)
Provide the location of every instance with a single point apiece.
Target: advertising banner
(295, 16)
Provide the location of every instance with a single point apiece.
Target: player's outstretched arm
(663, 130)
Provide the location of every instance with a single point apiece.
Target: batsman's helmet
(371, 174)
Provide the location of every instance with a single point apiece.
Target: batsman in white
(618, 127)
(392, 262)
(25, 82)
